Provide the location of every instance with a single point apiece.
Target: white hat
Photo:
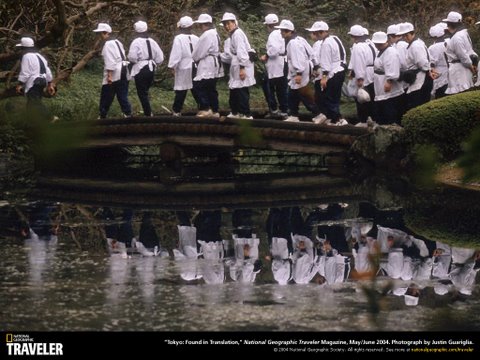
(185, 22)
(26, 42)
(204, 19)
(228, 17)
(453, 17)
(363, 96)
(379, 37)
(405, 28)
(103, 27)
(411, 300)
(436, 31)
(318, 26)
(393, 29)
(271, 19)
(286, 25)
(356, 30)
(440, 289)
(365, 31)
(465, 291)
(140, 26)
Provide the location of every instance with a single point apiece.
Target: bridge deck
(303, 137)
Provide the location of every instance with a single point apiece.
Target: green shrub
(444, 123)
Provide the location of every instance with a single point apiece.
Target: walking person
(182, 64)
(34, 77)
(241, 69)
(115, 73)
(275, 81)
(209, 67)
(146, 55)
(439, 60)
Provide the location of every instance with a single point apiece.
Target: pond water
(59, 272)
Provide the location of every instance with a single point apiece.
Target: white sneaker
(292, 119)
(142, 249)
(216, 115)
(361, 124)
(245, 117)
(319, 119)
(232, 116)
(342, 122)
(283, 115)
(204, 113)
(176, 114)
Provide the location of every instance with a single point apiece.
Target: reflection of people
(465, 265)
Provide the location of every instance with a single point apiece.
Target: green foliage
(445, 123)
(426, 160)
(470, 161)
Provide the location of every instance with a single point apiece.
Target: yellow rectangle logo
(9, 338)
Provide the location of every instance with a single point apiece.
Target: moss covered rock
(444, 123)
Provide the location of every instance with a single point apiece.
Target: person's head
(437, 31)
(392, 31)
(246, 250)
(229, 22)
(454, 21)
(357, 33)
(412, 295)
(204, 21)
(185, 25)
(286, 28)
(26, 44)
(390, 238)
(104, 30)
(319, 30)
(140, 27)
(271, 20)
(407, 31)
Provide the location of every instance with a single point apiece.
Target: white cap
(379, 37)
(204, 19)
(365, 31)
(185, 22)
(453, 17)
(405, 28)
(436, 31)
(228, 17)
(103, 27)
(440, 289)
(26, 42)
(411, 300)
(286, 25)
(318, 26)
(140, 26)
(356, 30)
(393, 29)
(271, 19)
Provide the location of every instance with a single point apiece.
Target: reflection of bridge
(302, 137)
(241, 191)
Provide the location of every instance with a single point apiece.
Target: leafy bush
(444, 123)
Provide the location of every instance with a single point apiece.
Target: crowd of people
(388, 74)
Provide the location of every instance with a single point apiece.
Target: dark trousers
(366, 109)
(328, 100)
(420, 96)
(35, 106)
(180, 96)
(389, 111)
(207, 94)
(119, 88)
(143, 82)
(440, 92)
(240, 101)
(276, 89)
(295, 96)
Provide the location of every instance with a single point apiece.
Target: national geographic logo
(22, 344)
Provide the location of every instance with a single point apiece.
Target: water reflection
(189, 269)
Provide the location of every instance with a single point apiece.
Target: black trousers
(366, 109)
(275, 91)
(35, 106)
(143, 82)
(181, 95)
(420, 96)
(329, 99)
(389, 111)
(240, 101)
(207, 94)
(118, 88)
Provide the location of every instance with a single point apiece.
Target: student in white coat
(276, 84)
(34, 76)
(145, 55)
(388, 90)
(182, 65)
(418, 74)
(209, 67)
(299, 55)
(438, 59)
(115, 73)
(241, 69)
(463, 61)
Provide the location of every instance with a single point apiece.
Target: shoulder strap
(150, 56)
(43, 70)
(120, 50)
(190, 42)
(340, 48)
(373, 52)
